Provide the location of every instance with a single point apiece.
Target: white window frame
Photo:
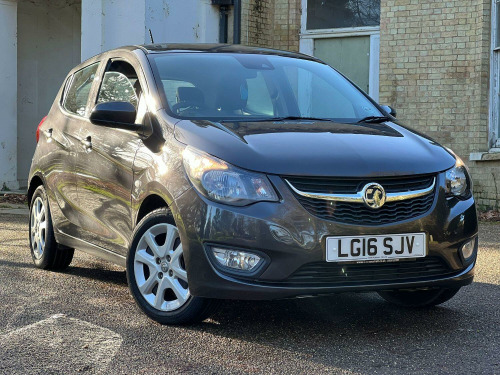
(494, 104)
(307, 38)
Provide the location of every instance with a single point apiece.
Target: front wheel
(157, 276)
(419, 298)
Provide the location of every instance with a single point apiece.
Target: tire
(46, 253)
(419, 298)
(157, 276)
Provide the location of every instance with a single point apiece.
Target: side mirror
(115, 115)
(389, 110)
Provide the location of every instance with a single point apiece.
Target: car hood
(317, 148)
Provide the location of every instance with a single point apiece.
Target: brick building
(436, 62)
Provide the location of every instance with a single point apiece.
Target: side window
(259, 99)
(120, 84)
(77, 94)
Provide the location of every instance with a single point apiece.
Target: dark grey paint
(317, 148)
(95, 193)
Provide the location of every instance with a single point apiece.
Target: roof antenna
(151, 36)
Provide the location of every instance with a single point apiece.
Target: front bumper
(291, 237)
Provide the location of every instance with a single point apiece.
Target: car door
(62, 144)
(104, 164)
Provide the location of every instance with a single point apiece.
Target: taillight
(38, 129)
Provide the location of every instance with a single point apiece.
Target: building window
(329, 14)
(497, 24)
(346, 35)
(495, 76)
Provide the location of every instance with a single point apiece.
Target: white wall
(8, 94)
(48, 47)
(107, 24)
(186, 21)
(42, 40)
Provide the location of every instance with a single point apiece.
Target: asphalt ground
(84, 321)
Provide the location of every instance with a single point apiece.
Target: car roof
(218, 48)
(164, 48)
(213, 48)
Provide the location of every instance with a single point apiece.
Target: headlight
(225, 183)
(457, 180)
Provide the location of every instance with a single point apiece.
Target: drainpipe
(237, 22)
(223, 19)
(223, 23)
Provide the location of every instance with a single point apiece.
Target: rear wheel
(45, 251)
(419, 298)
(157, 275)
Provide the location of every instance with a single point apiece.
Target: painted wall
(48, 47)
(186, 21)
(108, 24)
(8, 96)
(42, 40)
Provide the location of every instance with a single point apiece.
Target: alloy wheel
(159, 268)
(38, 227)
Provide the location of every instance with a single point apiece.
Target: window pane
(259, 100)
(116, 87)
(497, 41)
(332, 14)
(78, 94)
(246, 87)
(171, 86)
(318, 98)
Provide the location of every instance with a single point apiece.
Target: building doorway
(48, 46)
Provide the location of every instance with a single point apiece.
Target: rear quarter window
(77, 94)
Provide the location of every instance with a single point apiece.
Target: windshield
(252, 87)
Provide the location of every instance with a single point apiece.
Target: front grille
(331, 185)
(342, 274)
(358, 213)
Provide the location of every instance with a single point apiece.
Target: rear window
(77, 95)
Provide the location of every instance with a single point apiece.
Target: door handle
(87, 143)
(48, 133)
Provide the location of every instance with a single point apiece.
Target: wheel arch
(34, 183)
(149, 204)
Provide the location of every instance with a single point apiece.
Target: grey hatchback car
(226, 172)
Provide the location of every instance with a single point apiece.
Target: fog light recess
(468, 248)
(236, 260)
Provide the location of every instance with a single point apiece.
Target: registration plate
(383, 247)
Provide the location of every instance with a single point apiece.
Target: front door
(104, 166)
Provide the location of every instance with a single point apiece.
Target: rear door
(60, 133)
(104, 163)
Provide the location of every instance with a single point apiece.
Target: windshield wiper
(374, 119)
(292, 118)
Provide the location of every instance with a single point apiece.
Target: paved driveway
(84, 321)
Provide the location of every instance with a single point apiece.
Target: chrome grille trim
(358, 197)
